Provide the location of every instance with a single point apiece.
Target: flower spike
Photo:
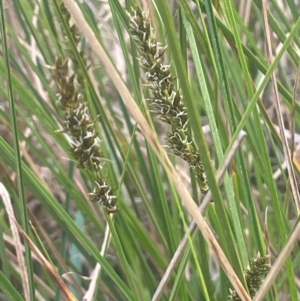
(166, 101)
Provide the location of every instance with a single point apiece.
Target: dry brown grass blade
(47, 265)
(151, 138)
(184, 242)
(278, 264)
(286, 251)
(286, 150)
(16, 238)
(55, 253)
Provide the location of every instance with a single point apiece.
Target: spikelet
(254, 276)
(78, 124)
(166, 101)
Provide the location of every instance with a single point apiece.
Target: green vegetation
(118, 121)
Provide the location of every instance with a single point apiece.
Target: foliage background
(218, 53)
